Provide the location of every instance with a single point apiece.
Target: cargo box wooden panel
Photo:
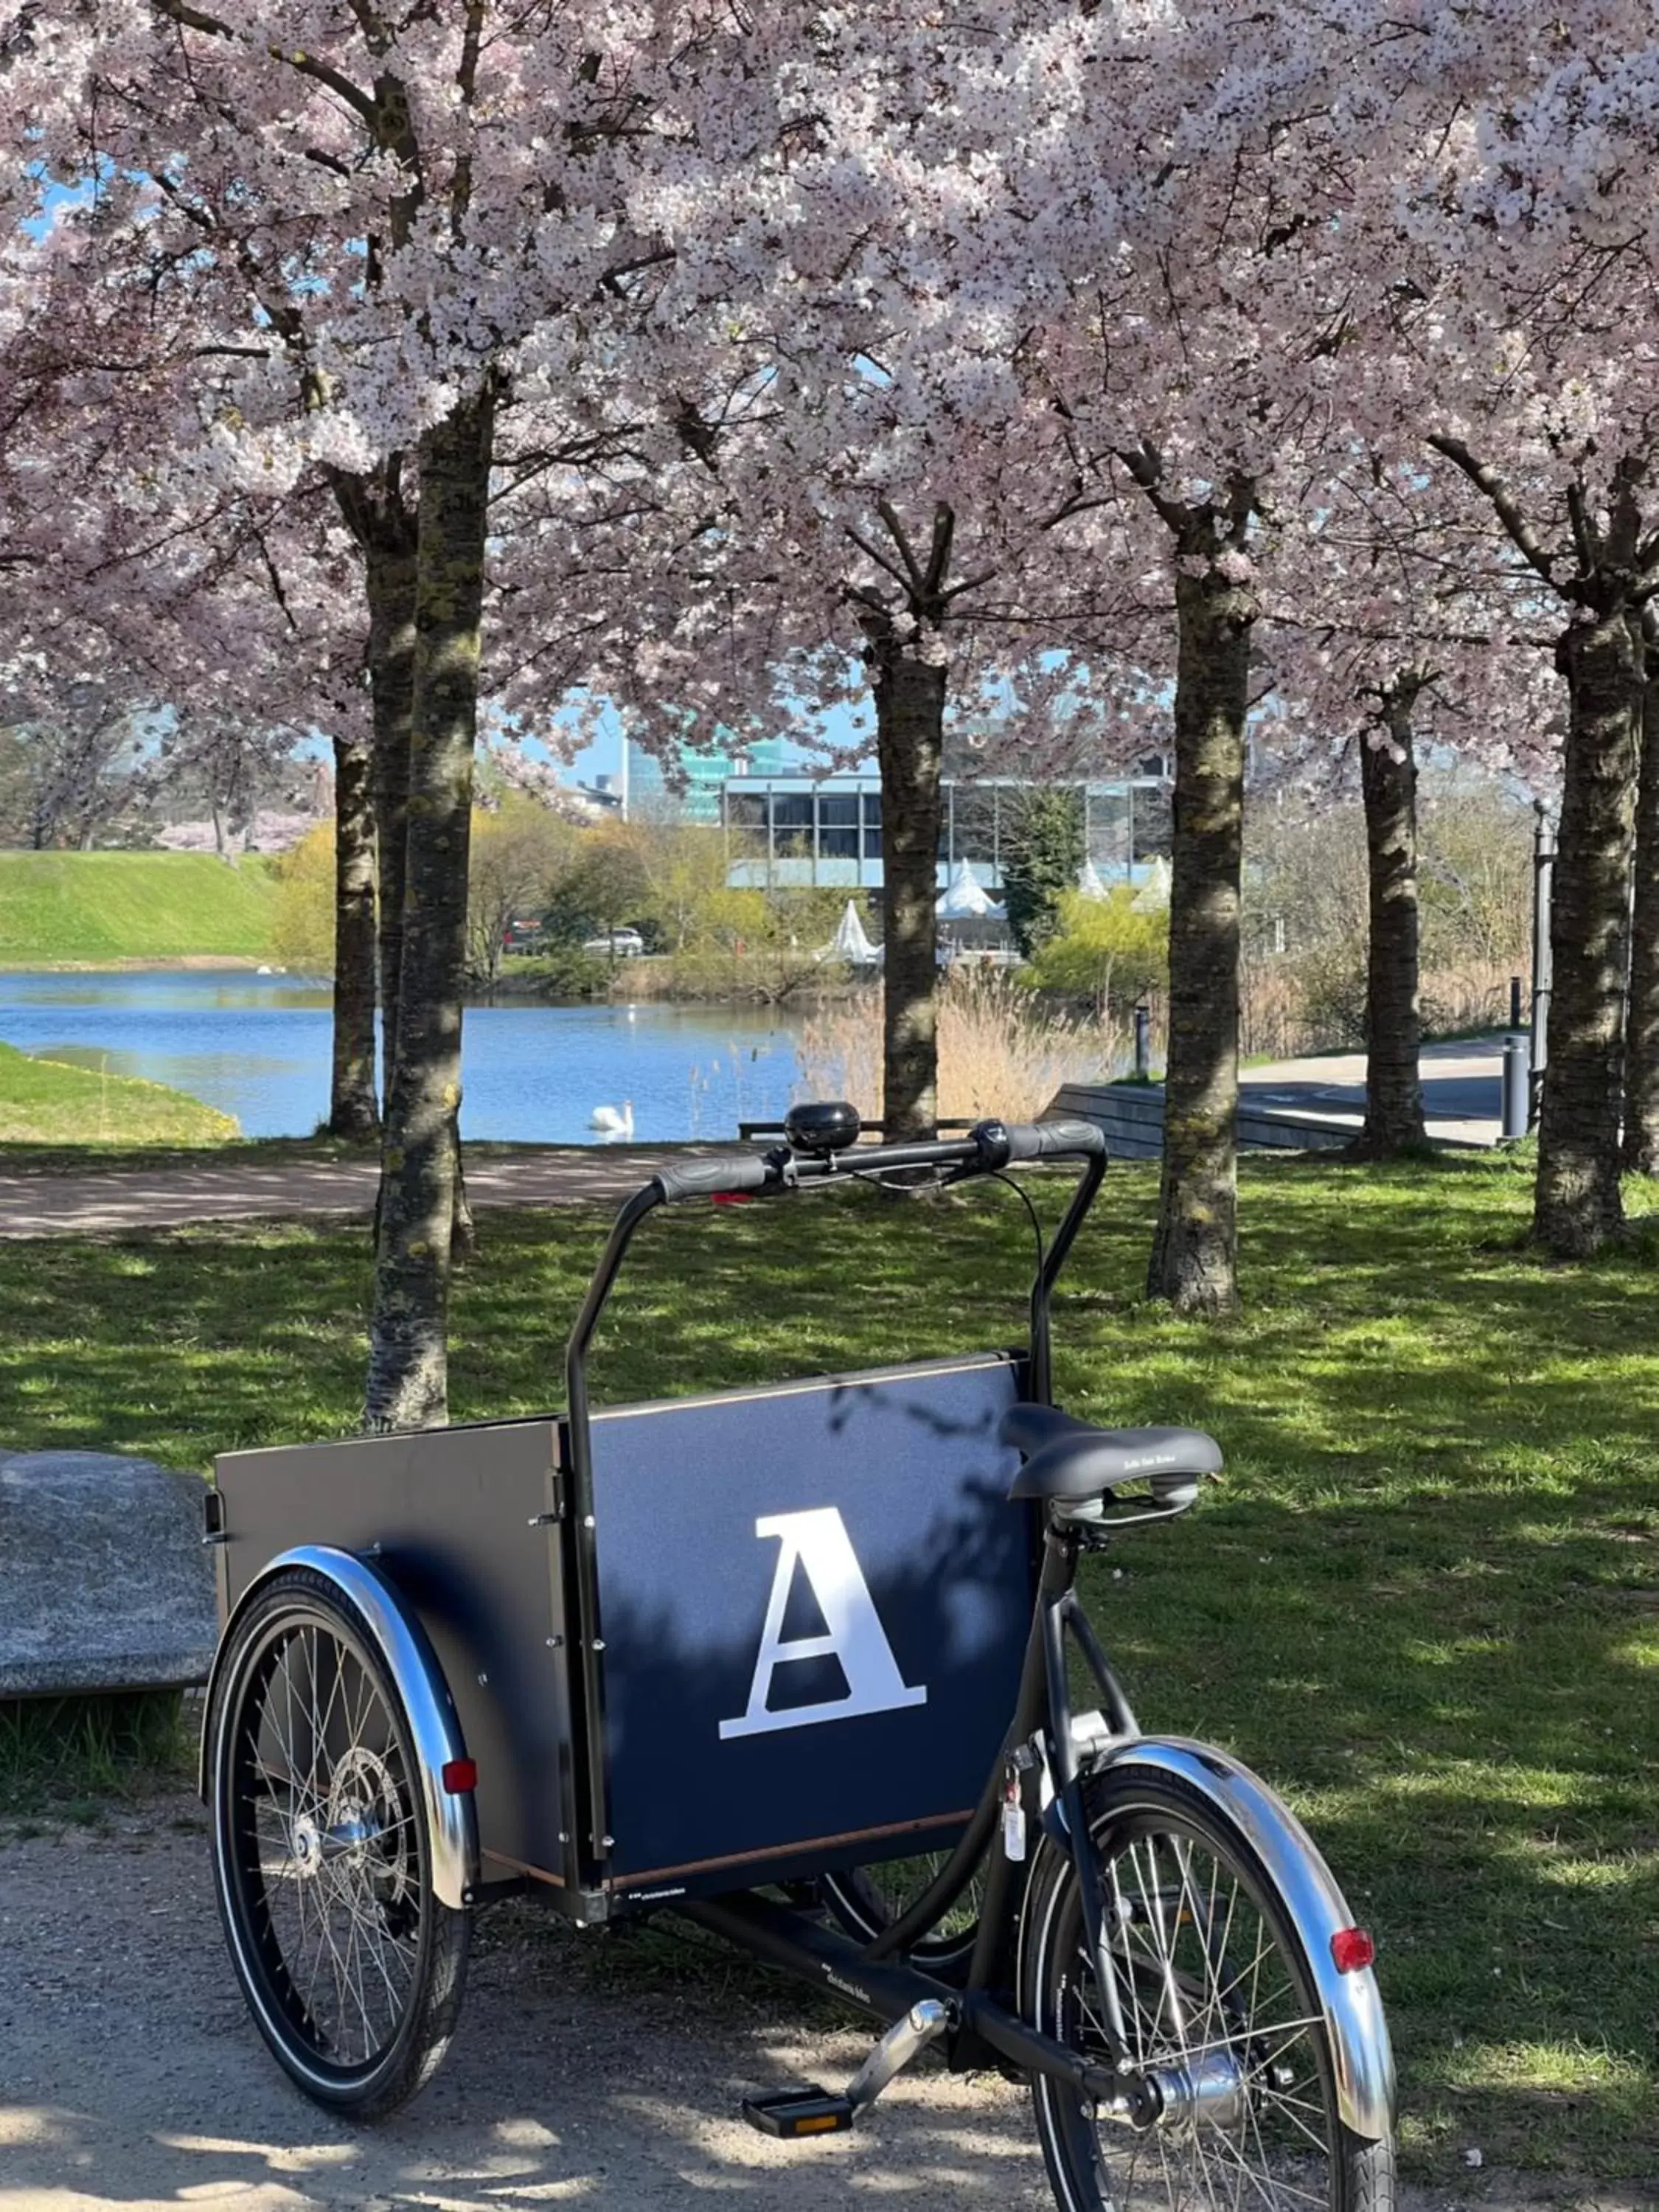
(812, 1603)
(449, 1515)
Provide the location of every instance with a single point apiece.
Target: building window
(838, 825)
(873, 825)
(976, 824)
(746, 810)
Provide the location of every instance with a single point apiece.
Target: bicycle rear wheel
(352, 1968)
(1213, 1983)
(864, 1900)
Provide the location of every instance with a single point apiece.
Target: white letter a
(817, 1541)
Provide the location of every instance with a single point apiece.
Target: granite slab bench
(104, 1583)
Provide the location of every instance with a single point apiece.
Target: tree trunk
(353, 1108)
(407, 1367)
(1577, 1205)
(1641, 1148)
(390, 555)
(1195, 1249)
(1394, 1090)
(909, 695)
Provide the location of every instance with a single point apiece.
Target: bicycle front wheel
(352, 1968)
(1212, 1986)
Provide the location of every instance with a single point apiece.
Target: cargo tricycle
(807, 1665)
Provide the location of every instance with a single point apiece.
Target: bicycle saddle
(1069, 1460)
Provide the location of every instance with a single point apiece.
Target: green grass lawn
(87, 907)
(46, 1102)
(1424, 1599)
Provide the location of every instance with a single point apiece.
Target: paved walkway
(1460, 1093)
(1462, 1082)
(602, 2075)
(163, 1198)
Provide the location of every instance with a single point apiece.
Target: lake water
(258, 1046)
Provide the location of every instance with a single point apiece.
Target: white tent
(963, 899)
(850, 942)
(1089, 883)
(1153, 897)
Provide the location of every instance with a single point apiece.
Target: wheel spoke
(328, 1877)
(1214, 2005)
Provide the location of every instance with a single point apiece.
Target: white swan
(611, 1122)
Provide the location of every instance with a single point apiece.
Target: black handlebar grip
(741, 1171)
(1046, 1140)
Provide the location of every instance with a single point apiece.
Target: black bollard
(1515, 1002)
(1143, 1042)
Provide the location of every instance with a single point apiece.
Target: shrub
(302, 921)
(1105, 949)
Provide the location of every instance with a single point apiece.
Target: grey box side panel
(451, 1509)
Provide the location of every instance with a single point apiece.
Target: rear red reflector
(1352, 1949)
(461, 1775)
(730, 1197)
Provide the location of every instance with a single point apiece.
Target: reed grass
(1000, 1051)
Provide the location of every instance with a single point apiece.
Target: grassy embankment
(98, 910)
(1425, 1599)
(45, 1101)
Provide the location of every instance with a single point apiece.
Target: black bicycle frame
(981, 2022)
(869, 1975)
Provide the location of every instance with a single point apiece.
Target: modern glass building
(800, 830)
(697, 786)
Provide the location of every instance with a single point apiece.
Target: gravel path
(158, 1198)
(130, 2076)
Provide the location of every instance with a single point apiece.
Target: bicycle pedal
(793, 2113)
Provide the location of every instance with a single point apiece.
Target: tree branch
(1485, 478)
(938, 558)
(916, 583)
(324, 73)
(1145, 469)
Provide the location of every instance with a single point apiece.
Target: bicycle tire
(353, 1970)
(1274, 2138)
(864, 1900)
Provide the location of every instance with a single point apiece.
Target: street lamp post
(1543, 872)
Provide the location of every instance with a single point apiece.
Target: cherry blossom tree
(399, 214)
(1394, 626)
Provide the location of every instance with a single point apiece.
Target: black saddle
(1070, 1460)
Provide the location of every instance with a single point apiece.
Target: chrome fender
(1352, 2002)
(406, 1651)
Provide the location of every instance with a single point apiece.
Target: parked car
(625, 944)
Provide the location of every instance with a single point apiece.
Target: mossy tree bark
(1605, 570)
(407, 1370)
(1394, 1030)
(1577, 1203)
(354, 1110)
(381, 519)
(392, 675)
(909, 664)
(1195, 1257)
(909, 745)
(1641, 1137)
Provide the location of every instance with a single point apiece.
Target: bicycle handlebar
(740, 1173)
(987, 1147)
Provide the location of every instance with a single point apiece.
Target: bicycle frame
(982, 2025)
(870, 1975)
